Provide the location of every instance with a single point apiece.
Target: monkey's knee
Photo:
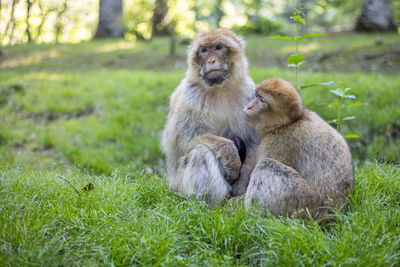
(201, 176)
(229, 153)
(281, 190)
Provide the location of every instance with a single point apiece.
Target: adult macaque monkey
(302, 162)
(209, 100)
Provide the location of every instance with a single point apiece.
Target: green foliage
(258, 26)
(137, 18)
(295, 60)
(342, 94)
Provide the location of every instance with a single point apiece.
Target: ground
(93, 112)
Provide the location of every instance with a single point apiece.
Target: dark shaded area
(40, 117)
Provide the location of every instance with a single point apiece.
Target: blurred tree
(44, 12)
(219, 12)
(28, 14)
(376, 15)
(59, 25)
(158, 21)
(110, 19)
(11, 23)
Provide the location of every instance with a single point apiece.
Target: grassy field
(93, 113)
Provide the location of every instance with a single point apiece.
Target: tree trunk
(110, 19)
(28, 14)
(44, 12)
(219, 13)
(376, 15)
(14, 2)
(59, 24)
(159, 13)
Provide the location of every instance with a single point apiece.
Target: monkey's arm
(178, 135)
(239, 187)
(227, 153)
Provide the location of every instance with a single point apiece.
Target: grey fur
(196, 109)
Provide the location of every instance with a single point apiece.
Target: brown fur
(300, 139)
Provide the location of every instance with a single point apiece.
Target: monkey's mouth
(214, 73)
(215, 76)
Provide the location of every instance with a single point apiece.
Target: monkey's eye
(260, 98)
(218, 47)
(203, 50)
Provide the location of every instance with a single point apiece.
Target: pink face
(212, 58)
(255, 106)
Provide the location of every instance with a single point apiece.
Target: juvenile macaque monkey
(209, 100)
(302, 162)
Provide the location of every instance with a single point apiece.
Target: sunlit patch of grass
(32, 58)
(115, 46)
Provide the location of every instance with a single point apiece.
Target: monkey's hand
(239, 187)
(228, 153)
(241, 147)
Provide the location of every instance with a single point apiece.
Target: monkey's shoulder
(317, 127)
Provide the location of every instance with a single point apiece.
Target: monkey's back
(318, 152)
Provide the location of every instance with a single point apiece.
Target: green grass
(126, 221)
(93, 112)
(111, 119)
(342, 52)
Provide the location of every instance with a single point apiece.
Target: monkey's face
(276, 103)
(212, 58)
(256, 107)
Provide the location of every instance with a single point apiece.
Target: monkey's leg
(281, 190)
(200, 174)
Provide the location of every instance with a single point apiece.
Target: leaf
(284, 37)
(348, 118)
(298, 19)
(333, 121)
(317, 84)
(353, 104)
(350, 96)
(311, 35)
(295, 59)
(338, 92)
(350, 136)
(293, 66)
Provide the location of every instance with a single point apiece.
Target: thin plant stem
(65, 179)
(297, 52)
(339, 114)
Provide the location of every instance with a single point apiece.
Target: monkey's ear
(296, 111)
